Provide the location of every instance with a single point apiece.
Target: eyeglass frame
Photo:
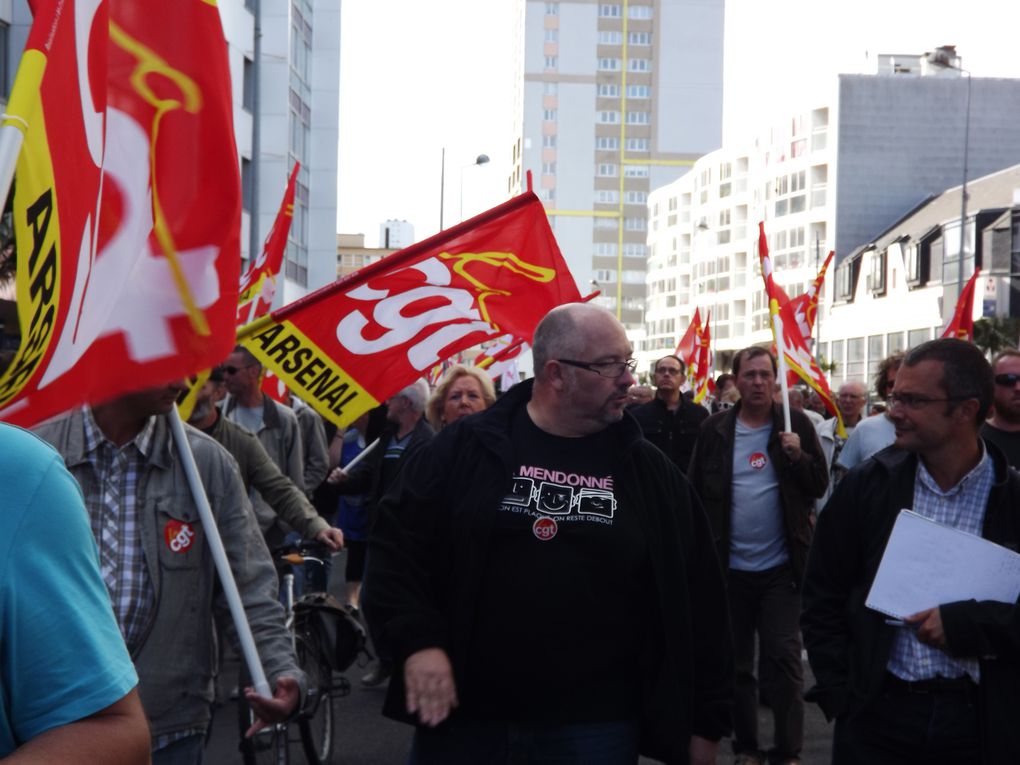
(916, 403)
(1007, 379)
(590, 366)
(228, 369)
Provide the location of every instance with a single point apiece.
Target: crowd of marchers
(581, 570)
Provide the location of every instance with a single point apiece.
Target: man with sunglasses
(546, 579)
(669, 420)
(944, 686)
(1003, 427)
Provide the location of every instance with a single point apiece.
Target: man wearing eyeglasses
(1003, 427)
(944, 686)
(669, 420)
(547, 579)
(275, 425)
(759, 484)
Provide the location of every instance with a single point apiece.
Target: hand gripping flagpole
(777, 333)
(212, 535)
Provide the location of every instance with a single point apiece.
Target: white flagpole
(777, 331)
(364, 453)
(212, 534)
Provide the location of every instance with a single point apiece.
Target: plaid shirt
(961, 507)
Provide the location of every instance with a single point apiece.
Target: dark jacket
(800, 483)
(673, 432)
(849, 645)
(429, 549)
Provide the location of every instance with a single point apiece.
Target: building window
(547, 194)
(635, 197)
(606, 170)
(247, 186)
(608, 11)
(548, 168)
(552, 9)
(639, 12)
(639, 38)
(606, 224)
(549, 115)
(876, 281)
(248, 85)
(609, 37)
(634, 250)
(608, 117)
(608, 90)
(607, 196)
(605, 276)
(639, 65)
(549, 88)
(917, 336)
(607, 143)
(635, 224)
(552, 35)
(605, 249)
(551, 62)
(635, 171)
(609, 64)
(633, 277)
(637, 144)
(548, 142)
(638, 118)
(639, 91)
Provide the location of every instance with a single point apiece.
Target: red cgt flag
(703, 383)
(962, 324)
(354, 343)
(792, 344)
(805, 307)
(140, 284)
(687, 348)
(258, 285)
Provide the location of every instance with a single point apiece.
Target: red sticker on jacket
(179, 535)
(758, 461)
(544, 529)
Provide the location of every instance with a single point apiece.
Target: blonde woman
(462, 391)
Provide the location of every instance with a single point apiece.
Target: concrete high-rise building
(285, 68)
(613, 99)
(395, 234)
(830, 177)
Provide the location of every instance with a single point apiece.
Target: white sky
(417, 76)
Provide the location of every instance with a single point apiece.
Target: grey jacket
(177, 660)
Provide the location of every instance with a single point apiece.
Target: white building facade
(832, 177)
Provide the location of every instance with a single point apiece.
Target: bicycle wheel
(316, 720)
(267, 747)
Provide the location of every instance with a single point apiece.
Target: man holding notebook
(944, 687)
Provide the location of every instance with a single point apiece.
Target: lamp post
(943, 57)
(481, 159)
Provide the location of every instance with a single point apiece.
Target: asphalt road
(364, 737)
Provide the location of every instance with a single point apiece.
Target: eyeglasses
(234, 370)
(1007, 380)
(668, 371)
(611, 369)
(912, 402)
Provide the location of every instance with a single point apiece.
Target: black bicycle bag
(338, 636)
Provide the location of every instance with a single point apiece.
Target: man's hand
(277, 709)
(703, 751)
(431, 691)
(928, 625)
(336, 476)
(332, 538)
(790, 442)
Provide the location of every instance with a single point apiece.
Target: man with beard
(546, 579)
(1003, 427)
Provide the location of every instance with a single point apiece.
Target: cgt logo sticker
(179, 536)
(758, 461)
(544, 529)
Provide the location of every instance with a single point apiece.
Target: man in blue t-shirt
(759, 486)
(67, 684)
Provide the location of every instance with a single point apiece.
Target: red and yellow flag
(805, 307)
(687, 348)
(258, 285)
(702, 382)
(352, 344)
(962, 324)
(129, 202)
(791, 342)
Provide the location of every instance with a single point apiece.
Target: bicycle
(315, 720)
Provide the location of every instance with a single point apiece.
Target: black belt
(961, 684)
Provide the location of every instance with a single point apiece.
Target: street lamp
(943, 57)
(481, 159)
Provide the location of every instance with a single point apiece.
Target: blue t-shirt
(62, 657)
(757, 541)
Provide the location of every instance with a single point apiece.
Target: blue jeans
(472, 742)
(186, 751)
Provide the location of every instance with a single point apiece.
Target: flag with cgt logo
(354, 343)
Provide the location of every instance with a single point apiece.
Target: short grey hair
(557, 336)
(417, 393)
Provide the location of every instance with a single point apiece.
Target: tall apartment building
(396, 234)
(831, 177)
(285, 69)
(613, 99)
